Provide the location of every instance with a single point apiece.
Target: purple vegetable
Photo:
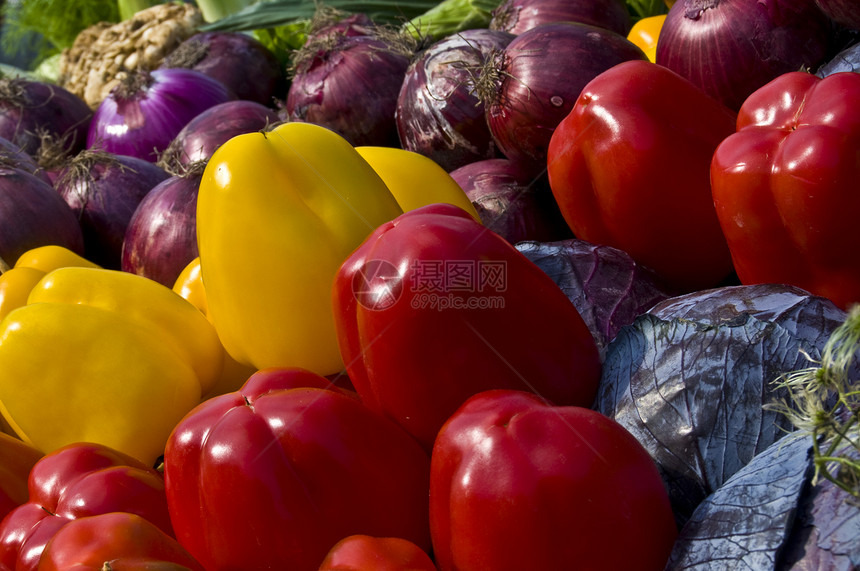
(30, 110)
(511, 202)
(161, 237)
(142, 115)
(730, 48)
(215, 126)
(517, 16)
(11, 156)
(242, 63)
(32, 214)
(607, 287)
(350, 85)
(534, 82)
(104, 190)
(438, 114)
(690, 378)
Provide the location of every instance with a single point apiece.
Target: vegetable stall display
(442, 346)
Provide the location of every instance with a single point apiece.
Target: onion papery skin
(11, 156)
(540, 76)
(161, 237)
(218, 124)
(351, 87)
(438, 114)
(517, 16)
(511, 202)
(844, 12)
(104, 190)
(32, 214)
(141, 121)
(31, 109)
(239, 61)
(730, 48)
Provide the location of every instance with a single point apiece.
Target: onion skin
(730, 48)
(438, 115)
(218, 124)
(517, 16)
(32, 214)
(161, 237)
(351, 87)
(141, 120)
(511, 202)
(104, 190)
(30, 109)
(845, 12)
(242, 63)
(541, 74)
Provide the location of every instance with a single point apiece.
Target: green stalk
(452, 16)
(214, 10)
(128, 8)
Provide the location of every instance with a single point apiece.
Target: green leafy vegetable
(824, 402)
(646, 8)
(452, 16)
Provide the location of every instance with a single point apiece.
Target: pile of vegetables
(432, 285)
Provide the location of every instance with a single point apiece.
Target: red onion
(532, 84)
(161, 237)
(438, 114)
(511, 202)
(350, 85)
(30, 110)
(517, 16)
(32, 214)
(844, 12)
(216, 125)
(11, 156)
(730, 48)
(104, 190)
(142, 115)
(242, 63)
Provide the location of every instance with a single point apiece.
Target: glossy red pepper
(75, 481)
(115, 541)
(630, 168)
(433, 308)
(275, 474)
(367, 553)
(785, 185)
(517, 483)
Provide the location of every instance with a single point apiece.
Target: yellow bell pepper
(416, 180)
(104, 356)
(31, 266)
(277, 214)
(646, 32)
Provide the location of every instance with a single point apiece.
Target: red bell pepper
(630, 168)
(785, 185)
(115, 541)
(275, 474)
(517, 483)
(75, 481)
(365, 553)
(433, 308)
(17, 458)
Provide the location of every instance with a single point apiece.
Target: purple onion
(218, 124)
(512, 202)
(438, 113)
(30, 110)
(104, 190)
(161, 237)
(32, 214)
(239, 61)
(730, 48)
(535, 81)
(844, 12)
(517, 16)
(11, 156)
(142, 115)
(350, 85)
